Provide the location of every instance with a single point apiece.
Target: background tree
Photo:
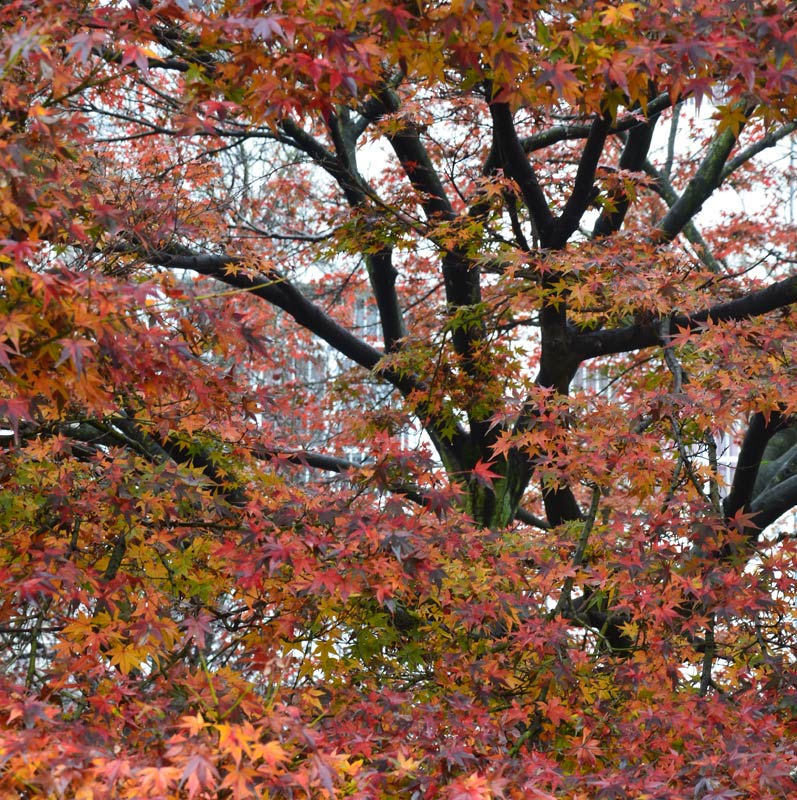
(498, 545)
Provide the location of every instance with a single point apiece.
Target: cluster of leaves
(380, 414)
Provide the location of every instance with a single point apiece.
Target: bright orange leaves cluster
(397, 399)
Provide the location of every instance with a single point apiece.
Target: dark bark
(632, 159)
(383, 275)
(760, 431)
(584, 190)
(512, 159)
(278, 291)
(561, 133)
(460, 274)
(765, 481)
(773, 503)
(643, 335)
(705, 181)
(561, 506)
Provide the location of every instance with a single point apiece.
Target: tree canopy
(398, 399)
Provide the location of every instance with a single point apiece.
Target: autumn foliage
(398, 400)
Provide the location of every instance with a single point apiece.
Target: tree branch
(417, 165)
(349, 182)
(561, 506)
(381, 272)
(382, 275)
(526, 517)
(590, 344)
(516, 166)
(672, 138)
(752, 150)
(665, 190)
(560, 133)
(584, 190)
(460, 275)
(774, 502)
(708, 177)
(760, 430)
(278, 291)
(634, 153)
(449, 437)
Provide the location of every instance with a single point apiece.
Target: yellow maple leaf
(272, 753)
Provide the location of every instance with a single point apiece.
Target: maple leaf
(622, 12)
(194, 725)
(199, 775)
(157, 780)
(731, 118)
(268, 28)
(127, 657)
(197, 627)
(556, 711)
(15, 410)
(77, 351)
(115, 770)
(272, 753)
(473, 787)
(240, 783)
(483, 474)
(133, 54)
(560, 75)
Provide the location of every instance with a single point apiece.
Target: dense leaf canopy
(398, 399)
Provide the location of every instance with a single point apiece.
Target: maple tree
(523, 535)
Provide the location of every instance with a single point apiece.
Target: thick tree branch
(561, 506)
(760, 430)
(418, 167)
(513, 160)
(327, 463)
(779, 460)
(461, 276)
(124, 430)
(278, 291)
(527, 518)
(344, 139)
(584, 190)
(705, 181)
(666, 191)
(642, 335)
(774, 502)
(382, 275)
(632, 158)
(307, 458)
(671, 197)
(561, 133)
